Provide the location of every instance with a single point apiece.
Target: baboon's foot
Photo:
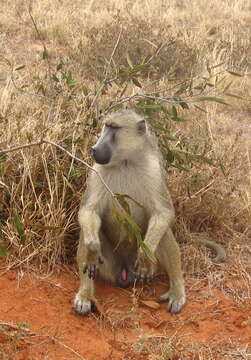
(92, 267)
(144, 275)
(83, 306)
(176, 299)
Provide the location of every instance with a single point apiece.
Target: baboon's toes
(144, 276)
(175, 303)
(82, 307)
(175, 306)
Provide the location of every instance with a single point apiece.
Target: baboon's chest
(113, 222)
(130, 185)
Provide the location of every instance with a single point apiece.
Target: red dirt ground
(124, 321)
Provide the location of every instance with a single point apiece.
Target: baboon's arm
(90, 223)
(158, 224)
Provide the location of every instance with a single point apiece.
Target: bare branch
(43, 43)
(84, 163)
(44, 141)
(20, 147)
(4, 185)
(104, 82)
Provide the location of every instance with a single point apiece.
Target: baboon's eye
(113, 126)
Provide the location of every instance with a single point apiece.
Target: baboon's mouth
(123, 274)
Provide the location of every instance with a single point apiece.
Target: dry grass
(44, 186)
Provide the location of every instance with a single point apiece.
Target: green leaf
(169, 156)
(208, 68)
(224, 170)
(136, 82)
(127, 222)
(19, 226)
(174, 112)
(227, 86)
(148, 252)
(124, 90)
(85, 90)
(3, 251)
(184, 105)
(139, 68)
(54, 77)
(215, 66)
(179, 119)
(181, 168)
(123, 203)
(200, 108)
(234, 73)
(147, 59)
(234, 96)
(45, 54)
(59, 66)
(3, 157)
(213, 98)
(129, 197)
(129, 61)
(20, 67)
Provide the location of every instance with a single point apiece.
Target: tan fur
(134, 169)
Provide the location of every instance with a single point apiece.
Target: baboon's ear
(141, 127)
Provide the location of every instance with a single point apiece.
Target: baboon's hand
(144, 267)
(92, 268)
(93, 258)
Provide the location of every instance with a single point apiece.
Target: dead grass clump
(140, 40)
(41, 187)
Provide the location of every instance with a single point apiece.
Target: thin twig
(46, 56)
(83, 162)
(19, 147)
(44, 141)
(4, 185)
(104, 82)
(31, 333)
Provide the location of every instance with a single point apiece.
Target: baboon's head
(122, 138)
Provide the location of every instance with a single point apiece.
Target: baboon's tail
(219, 250)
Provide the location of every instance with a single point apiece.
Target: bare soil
(38, 313)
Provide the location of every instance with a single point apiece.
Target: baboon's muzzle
(101, 154)
(101, 151)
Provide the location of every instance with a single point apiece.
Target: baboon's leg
(168, 255)
(108, 268)
(83, 299)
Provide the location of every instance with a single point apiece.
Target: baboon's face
(119, 142)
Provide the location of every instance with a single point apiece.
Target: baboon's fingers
(100, 260)
(92, 271)
(144, 276)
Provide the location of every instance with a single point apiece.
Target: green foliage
(128, 224)
(2, 251)
(19, 226)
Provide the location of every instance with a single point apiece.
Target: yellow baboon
(128, 159)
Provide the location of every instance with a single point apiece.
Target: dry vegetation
(54, 96)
